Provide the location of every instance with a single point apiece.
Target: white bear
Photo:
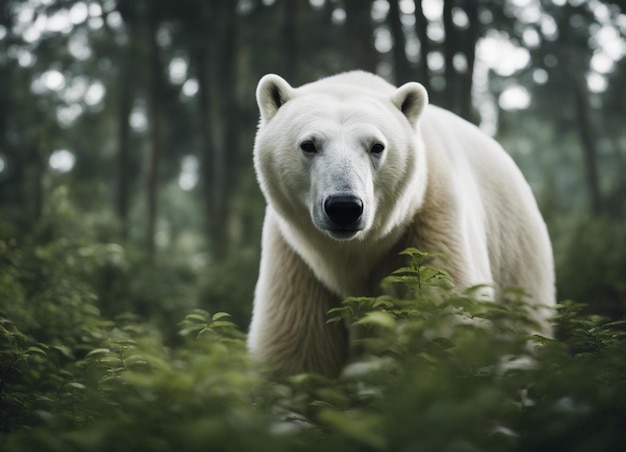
(354, 170)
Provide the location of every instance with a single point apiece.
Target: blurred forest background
(126, 128)
(130, 219)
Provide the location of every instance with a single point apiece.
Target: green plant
(433, 369)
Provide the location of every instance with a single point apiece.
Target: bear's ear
(411, 99)
(271, 93)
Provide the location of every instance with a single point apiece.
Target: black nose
(343, 210)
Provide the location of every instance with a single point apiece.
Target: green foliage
(590, 256)
(433, 369)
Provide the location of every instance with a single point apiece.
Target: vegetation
(130, 226)
(430, 377)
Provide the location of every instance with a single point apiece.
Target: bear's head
(341, 157)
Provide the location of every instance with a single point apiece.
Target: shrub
(437, 370)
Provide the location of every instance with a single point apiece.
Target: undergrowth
(437, 371)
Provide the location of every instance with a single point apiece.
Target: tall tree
(571, 48)
(13, 175)
(359, 50)
(421, 26)
(126, 98)
(450, 46)
(213, 37)
(472, 34)
(587, 140)
(227, 149)
(290, 39)
(402, 68)
(39, 167)
(155, 85)
(202, 22)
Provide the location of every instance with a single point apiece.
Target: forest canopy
(130, 224)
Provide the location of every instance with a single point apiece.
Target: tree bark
(467, 81)
(421, 26)
(38, 177)
(449, 47)
(125, 108)
(359, 49)
(202, 55)
(290, 40)
(126, 98)
(587, 141)
(401, 65)
(154, 115)
(224, 123)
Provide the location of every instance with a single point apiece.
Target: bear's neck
(347, 268)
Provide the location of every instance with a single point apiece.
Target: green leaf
(378, 318)
(135, 361)
(399, 279)
(222, 324)
(220, 315)
(413, 252)
(406, 271)
(337, 309)
(198, 317)
(66, 374)
(383, 302)
(110, 361)
(205, 330)
(190, 329)
(98, 351)
(334, 320)
(64, 350)
(36, 350)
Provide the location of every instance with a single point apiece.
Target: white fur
(439, 185)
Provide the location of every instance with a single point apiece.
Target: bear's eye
(308, 147)
(377, 149)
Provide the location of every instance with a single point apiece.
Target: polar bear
(353, 171)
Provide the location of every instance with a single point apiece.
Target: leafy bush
(429, 375)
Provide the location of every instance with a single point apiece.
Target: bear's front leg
(289, 330)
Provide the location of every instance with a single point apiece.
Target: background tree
(358, 36)
(144, 111)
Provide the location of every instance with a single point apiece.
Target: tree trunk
(154, 114)
(421, 26)
(290, 40)
(38, 178)
(126, 98)
(449, 47)
(472, 32)
(125, 107)
(401, 65)
(202, 55)
(359, 50)
(587, 141)
(449, 50)
(13, 183)
(224, 121)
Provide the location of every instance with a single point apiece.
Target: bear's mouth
(342, 234)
